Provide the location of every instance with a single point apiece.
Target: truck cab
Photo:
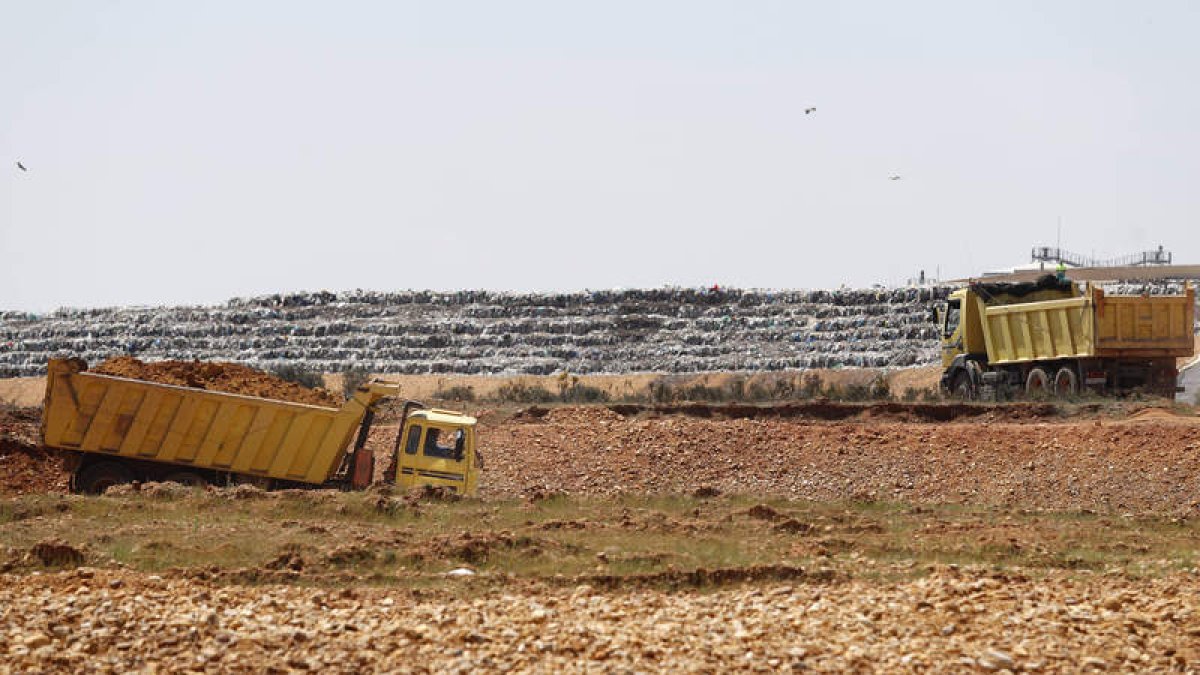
(437, 448)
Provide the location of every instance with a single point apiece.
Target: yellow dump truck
(116, 430)
(1054, 337)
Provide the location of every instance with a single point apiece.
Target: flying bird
(21, 166)
(808, 111)
(894, 177)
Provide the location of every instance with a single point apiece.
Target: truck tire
(966, 383)
(1066, 383)
(1037, 384)
(187, 478)
(94, 479)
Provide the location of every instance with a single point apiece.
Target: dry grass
(23, 392)
(327, 535)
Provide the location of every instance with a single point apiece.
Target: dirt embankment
(231, 378)
(24, 466)
(1149, 463)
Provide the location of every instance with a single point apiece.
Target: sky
(190, 152)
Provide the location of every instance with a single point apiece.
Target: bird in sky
(21, 166)
(809, 111)
(894, 177)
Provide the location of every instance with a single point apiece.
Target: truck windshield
(952, 317)
(445, 446)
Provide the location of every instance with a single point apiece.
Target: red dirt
(25, 467)
(1147, 464)
(231, 378)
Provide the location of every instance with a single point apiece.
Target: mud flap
(363, 470)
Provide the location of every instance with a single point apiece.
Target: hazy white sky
(184, 152)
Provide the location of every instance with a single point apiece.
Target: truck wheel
(964, 388)
(1037, 384)
(187, 478)
(1066, 383)
(94, 479)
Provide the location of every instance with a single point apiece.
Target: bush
(520, 392)
(810, 386)
(353, 378)
(305, 377)
(583, 393)
(458, 392)
(881, 390)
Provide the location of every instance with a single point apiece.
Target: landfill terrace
(657, 330)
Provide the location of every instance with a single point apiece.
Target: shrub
(458, 392)
(583, 393)
(300, 375)
(881, 390)
(353, 378)
(810, 386)
(520, 392)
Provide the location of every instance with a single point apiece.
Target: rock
(56, 553)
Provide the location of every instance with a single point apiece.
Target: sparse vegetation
(632, 535)
(522, 392)
(298, 374)
(457, 392)
(353, 378)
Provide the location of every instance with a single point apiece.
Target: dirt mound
(232, 378)
(1019, 459)
(24, 466)
(28, 469)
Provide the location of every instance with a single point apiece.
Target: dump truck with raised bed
(1053, 337)
(116, 430)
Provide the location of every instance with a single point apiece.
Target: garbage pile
(482, 332)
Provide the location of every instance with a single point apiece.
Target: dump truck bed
(212, 430)
(1091, 325)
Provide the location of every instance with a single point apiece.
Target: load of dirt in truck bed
(232, 378)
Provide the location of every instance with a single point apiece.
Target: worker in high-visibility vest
(1061, 271)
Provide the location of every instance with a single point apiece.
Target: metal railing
(1055, 255)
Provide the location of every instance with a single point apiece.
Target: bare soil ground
(816, 535)
(176, 579)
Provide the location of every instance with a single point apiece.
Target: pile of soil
(1009, 456)
(232, 378)
(26, 468)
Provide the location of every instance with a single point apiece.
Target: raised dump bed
(134, 429)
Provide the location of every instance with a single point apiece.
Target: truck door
(438, 455)
(952, 332)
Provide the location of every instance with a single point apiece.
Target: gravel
(949, 621)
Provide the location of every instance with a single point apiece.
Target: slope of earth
(1147, 464)
(231, 378)
(24, 466)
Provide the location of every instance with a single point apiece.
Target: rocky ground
(828, 537)
(948, 621)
